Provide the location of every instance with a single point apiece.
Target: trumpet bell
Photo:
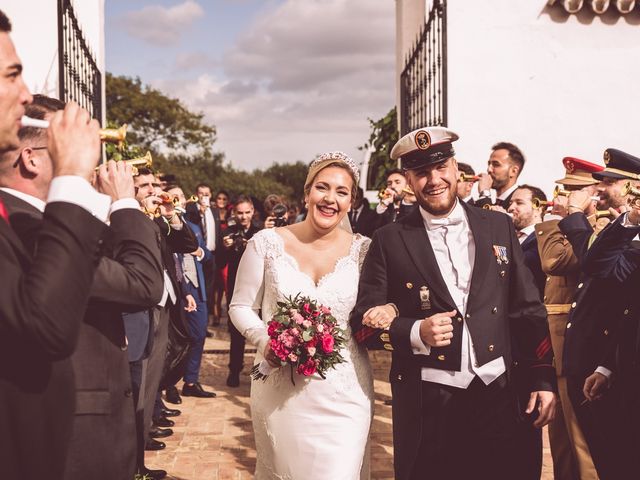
(468, 178)
(537, 203)
(114, 135)
(560, 192)
(145, 161)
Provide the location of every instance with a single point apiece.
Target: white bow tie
(444, 222)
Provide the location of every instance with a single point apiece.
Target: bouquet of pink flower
(305, 336)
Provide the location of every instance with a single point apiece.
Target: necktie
(3, 212)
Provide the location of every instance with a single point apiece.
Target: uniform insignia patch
(501, 254)
(425, 301)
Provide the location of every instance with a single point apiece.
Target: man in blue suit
(194, 295)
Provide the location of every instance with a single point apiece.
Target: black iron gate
(79, 77)
(423, 82)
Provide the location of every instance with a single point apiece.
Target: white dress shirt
(210, 229)
(70, 189)
(525, 232)
(454, 249)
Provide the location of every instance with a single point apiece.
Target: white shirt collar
(508, 192)
(526, 231)
(456, 215)
(30, 199)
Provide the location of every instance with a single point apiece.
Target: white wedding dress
(316, 429)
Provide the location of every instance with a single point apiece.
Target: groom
(467, 313)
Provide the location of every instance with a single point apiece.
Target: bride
(316, 428)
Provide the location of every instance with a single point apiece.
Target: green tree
(384, 135)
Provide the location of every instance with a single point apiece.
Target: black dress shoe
(173, 396)
(154, 445)
(153, 474)
(163, 422)
(170, 412)
(196, 390)
(233, 380)
(156, 432)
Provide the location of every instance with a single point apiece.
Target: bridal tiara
(338, 157)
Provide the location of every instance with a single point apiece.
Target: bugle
(560, 192)
(602, 214)
(537, 203)
(111, 135)
(633, 193)
(468, 178)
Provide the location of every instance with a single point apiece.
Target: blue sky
(282, 80)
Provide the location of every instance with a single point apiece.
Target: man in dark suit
(129, 276)
(600, 306)
(464, 301)
(235, 243)
(194, 296)
(527, 207)
(616, 256)
(503, 169)
(363, 220)
(42, 299)
(204, 213)
(395, 201)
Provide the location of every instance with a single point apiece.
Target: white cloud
(301, 80)
(161, 25)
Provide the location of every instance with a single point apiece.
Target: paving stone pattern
(213, 438)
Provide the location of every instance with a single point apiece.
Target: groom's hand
(437, 330)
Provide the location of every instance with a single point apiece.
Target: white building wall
(35, 35)
(552, 83)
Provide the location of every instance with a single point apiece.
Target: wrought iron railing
(79, 77)
(423, 82)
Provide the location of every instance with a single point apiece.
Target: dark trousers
(606, 429)
(236, 350)
(136, 369)
(155, 363)
(197, 331)
(468, 433)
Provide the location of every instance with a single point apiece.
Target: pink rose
(320, 328)
(327, 344)
(306, 323)
(311, 351)
(325, 310)
(294, 331)
(297, 318)
(293, 357)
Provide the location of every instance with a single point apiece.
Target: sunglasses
(17, 162)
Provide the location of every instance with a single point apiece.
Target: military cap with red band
(579, 172)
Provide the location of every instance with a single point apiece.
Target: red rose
(273, 328)
(327, 344)
(306, 308)
(307, 369)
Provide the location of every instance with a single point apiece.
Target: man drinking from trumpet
(503, 169)
(396, 200)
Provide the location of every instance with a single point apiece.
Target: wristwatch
(485, 193)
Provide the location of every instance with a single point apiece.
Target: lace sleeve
(364, 249)
(247, 296)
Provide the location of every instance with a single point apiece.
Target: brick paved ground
(213, 438)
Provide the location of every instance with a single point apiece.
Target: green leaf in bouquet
(307, 335)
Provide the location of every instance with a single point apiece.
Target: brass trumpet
(560, 192)
(192, 199)
(633, 193)
(537, 203)
(468, 178)
(602, 214)
(382, 194)
(111, 135)
(146, 161)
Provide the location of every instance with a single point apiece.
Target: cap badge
(425, 301)
(570, 167)
(607, 157)
(423, 140)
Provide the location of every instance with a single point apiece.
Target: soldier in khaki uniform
(571, 456)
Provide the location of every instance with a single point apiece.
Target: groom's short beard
(440, 209)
